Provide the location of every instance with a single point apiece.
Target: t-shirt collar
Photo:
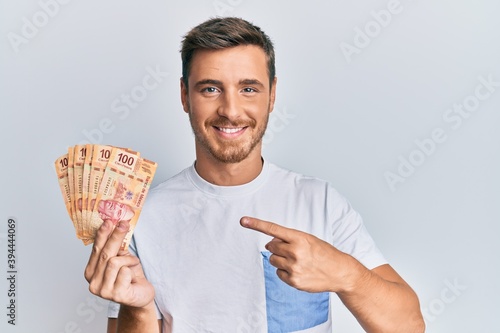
(236, 190)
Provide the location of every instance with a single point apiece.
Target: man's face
(115, 211)
(228, 101)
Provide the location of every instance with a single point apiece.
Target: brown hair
(223, 32)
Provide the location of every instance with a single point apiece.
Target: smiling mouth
(230, 130)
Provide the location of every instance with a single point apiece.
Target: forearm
(382, 304)
(138, 320)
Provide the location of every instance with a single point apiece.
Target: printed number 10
(64, 162)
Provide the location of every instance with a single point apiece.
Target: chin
(231, 157)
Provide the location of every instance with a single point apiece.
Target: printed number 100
(125, 159)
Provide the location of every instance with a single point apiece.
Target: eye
(249, 90)
(209, 90)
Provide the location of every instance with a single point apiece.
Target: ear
(184, 96)
(272, 94)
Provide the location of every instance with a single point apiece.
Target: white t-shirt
(212, 275)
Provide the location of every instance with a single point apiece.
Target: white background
(349, 119)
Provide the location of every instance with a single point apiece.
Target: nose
(230, 107)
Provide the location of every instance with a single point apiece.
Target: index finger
(268, 228)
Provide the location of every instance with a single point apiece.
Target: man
(209, 259)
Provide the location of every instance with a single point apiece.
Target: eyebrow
(251, 82)
(208, 81)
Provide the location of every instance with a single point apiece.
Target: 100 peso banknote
(100, 183)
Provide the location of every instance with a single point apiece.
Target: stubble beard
(229, 151)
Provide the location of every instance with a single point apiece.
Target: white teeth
(230, 130)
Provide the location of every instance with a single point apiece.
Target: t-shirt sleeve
(351, 236)
(113, 307)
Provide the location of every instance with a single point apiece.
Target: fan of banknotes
(103, 183)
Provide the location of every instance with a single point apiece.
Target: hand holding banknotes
(115, 274)
(104, 189)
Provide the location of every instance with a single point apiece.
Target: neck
(229, 174)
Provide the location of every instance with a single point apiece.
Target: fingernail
(245, 221)
(123, 226)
